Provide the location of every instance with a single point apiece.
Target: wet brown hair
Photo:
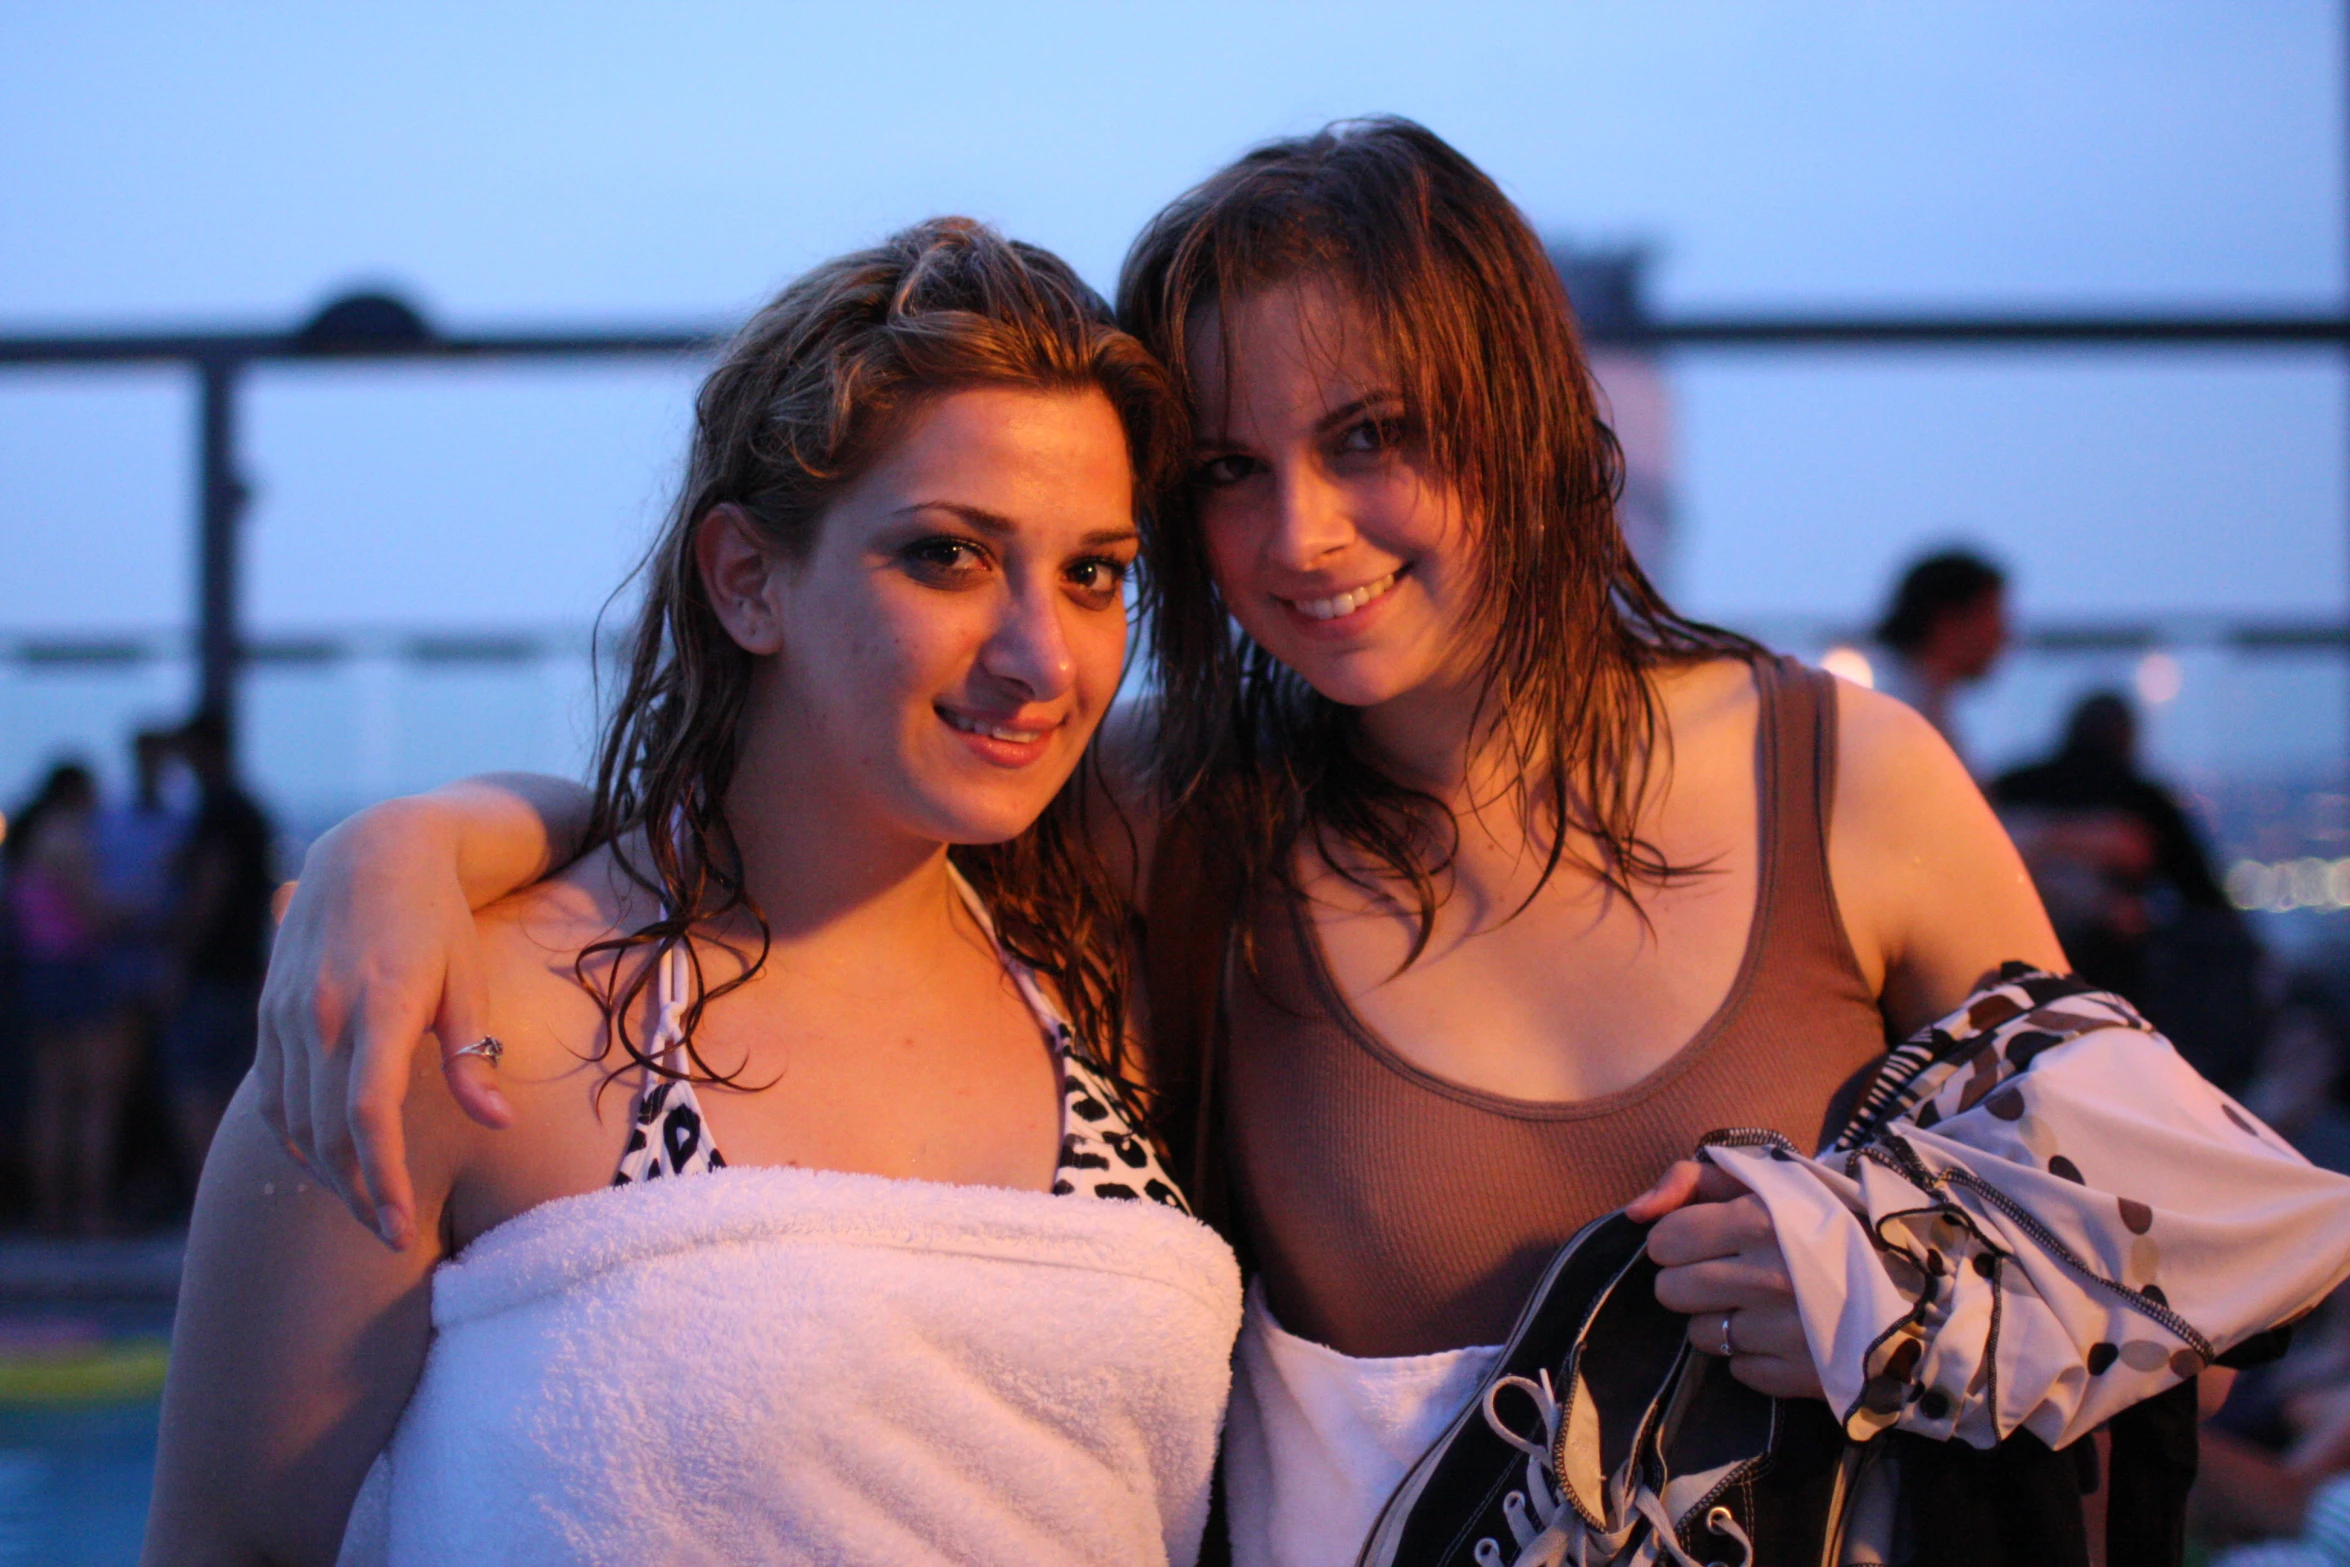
(1471, 317)
(807, 396)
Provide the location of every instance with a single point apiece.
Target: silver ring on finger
(1729, 1344)
(488, 1047)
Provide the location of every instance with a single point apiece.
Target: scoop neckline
(1308, 936)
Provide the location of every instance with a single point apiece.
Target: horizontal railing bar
(254, 347)
(1825, 331)
(2244, 331)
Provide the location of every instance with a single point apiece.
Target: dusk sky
(506, 165)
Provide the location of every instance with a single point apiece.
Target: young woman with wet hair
(1524, 886)
(1479, 885)
(833, 915)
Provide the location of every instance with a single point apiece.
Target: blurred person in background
(59, 921)
(2302, 1083)
(219, 940)
(2131, 891)
(138, 844)
(2273, 1460)
(1946, 628)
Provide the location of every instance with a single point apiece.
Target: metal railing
(379, 327)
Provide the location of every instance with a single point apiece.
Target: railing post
(221, 497)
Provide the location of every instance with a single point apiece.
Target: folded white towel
(1317, 1441)
(770, 1365)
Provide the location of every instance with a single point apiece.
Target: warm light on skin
(1333, 544)
(970, 581)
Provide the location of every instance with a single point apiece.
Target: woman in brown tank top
(1495, 883)
(1529, 882)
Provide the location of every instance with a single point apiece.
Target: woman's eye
(945, 559)
(1100, 578)
(1228, 469)
(1374, 435)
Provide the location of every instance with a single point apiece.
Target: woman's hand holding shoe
(1719, 1263)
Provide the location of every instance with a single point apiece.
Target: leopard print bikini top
(1103, 1151)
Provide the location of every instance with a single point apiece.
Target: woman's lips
(1342, 611)
(1003, 739)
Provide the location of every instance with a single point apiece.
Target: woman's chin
(974, 816)
(1354, 682)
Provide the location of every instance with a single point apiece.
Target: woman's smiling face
(958, 629)
(1334, 541)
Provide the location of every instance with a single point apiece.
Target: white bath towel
(773, 1366)
(1317, 1440)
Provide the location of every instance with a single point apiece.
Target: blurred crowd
(2129, 884)
(133, 938)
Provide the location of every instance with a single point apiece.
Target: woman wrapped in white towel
(821, 1229)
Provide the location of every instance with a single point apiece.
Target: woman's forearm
(499, 832)
(375, 952)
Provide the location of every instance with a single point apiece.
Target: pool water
(74, 1482)
(80, 1391)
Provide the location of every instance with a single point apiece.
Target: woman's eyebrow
(977, 516)
(1217, 441)
(1355, 409)
(1001, 526)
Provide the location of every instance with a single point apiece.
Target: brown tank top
(1395, 1213)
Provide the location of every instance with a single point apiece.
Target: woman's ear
(738, 573)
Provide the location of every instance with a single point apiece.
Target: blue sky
(509, 165)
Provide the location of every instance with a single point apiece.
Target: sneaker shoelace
(1546, 1529)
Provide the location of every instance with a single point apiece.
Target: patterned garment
(1103, 1152)
(2039, 1217)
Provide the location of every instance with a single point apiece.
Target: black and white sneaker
(1600, 1437)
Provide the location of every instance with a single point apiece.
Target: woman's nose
(1311, 519)
(1029, 649)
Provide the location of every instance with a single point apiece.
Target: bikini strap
(667, 1044)
(1057, 1031)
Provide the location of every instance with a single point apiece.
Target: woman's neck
(1437, 740)
(824, 868)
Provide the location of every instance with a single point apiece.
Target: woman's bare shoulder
(1704, 688)
(1708, 710)
(582, 903)
(542, 966)
(1932, 892)
(1883, 745)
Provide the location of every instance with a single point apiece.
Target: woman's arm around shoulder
(297, 1342)
(1932, 892)
(378, 947)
